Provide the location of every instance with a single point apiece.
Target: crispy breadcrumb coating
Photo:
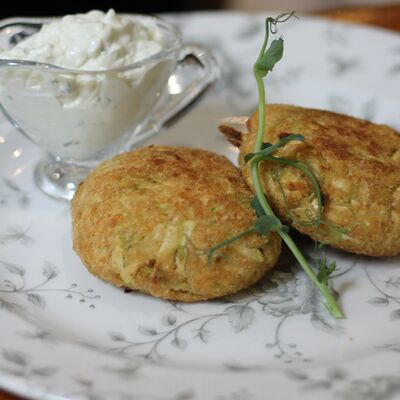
(357, 164)
(144, 220)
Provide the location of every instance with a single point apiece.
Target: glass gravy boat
(82, 117)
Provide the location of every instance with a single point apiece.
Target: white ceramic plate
(66, 335)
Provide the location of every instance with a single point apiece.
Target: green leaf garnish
(325, 270)
(261, 226)
(212, 250)
(266, 220)
(268, 60)
(266, 154)
(268, 148)
(271, 27)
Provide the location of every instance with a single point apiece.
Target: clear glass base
(59, 179)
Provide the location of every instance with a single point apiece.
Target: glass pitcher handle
(197, 69)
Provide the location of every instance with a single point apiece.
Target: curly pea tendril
(266, 220)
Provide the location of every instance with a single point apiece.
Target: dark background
(45, 8)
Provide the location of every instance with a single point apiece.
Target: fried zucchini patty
(145, 219)
(357, 164)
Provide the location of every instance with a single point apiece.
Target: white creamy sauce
(76, 115)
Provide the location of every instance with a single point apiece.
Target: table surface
(383, 16)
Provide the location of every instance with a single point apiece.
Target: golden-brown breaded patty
(357, 164)
(144, 219)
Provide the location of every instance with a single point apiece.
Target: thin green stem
(255, 171)
(261, 91)
(261, 112)
(303, 168)
(232, 239)
(330, 302)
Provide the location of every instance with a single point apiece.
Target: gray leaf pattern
(31, 293)
(117, 337)
(179, 343)
(297, 375)
(377, 388)
(391, 347)
(11, 307)
(323, 322)
(14, 268)
(186, 395)
(335, 373)
(37, 300)
(395, 315)
(379, 301)
(282, 295)
(15, 357)
(126, 371)
(394, 70)
(11, 185)
(393, 282)
(41, 335)
(12, 371)
(16, 234)
(241, 317)
(384, 298)
(317, 385)
(169, 319)
(44, 371)
(341, 65)
(49, 270)
(14, 193)
(147, 331)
